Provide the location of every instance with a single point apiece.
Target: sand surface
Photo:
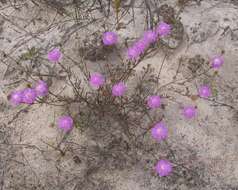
(28, 133)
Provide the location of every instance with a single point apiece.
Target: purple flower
(163, 29)
(150, 36)
(29, 96)
(54, 55)
(163, 168)
(109, 38)
(65, 123)
(189, 112)
(16, 98)
(159, 131)
(141, 46)
(41, 88)
(133, 52)
(217, 61)
(154, 102)
(204, 91)
(119, 89)
(96, 80)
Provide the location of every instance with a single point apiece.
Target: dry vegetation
(110, 146)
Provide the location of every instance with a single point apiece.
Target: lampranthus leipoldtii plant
(150, 36)
(99, 83)
(29, 95)
(204, 91)
(54, 55)
(16, 97)
(159, 132)
(96, 80)
(163, 29)
(154, 101)
(109, 38)
(189, 112)
(163, 168)
(41, 88)
(65, 123)
(217, 61)
(119, 89)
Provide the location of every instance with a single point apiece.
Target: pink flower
(119, 89)
(41, 88)
(204, 91)
(141, 46)
(65, 123)
(189, 112)
(163, 168)
(217, 61)
(54, 55)
(29, 96)
(150, 36)
(163, 29)
(133, 52)
(96, 80)
(109, 38)
(159, 132)
(16, 98)
(154, 102)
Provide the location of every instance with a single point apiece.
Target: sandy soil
(28, 161)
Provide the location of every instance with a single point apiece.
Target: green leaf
(214, 92)
(117, 4)
(29, 55)
(77, 125)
